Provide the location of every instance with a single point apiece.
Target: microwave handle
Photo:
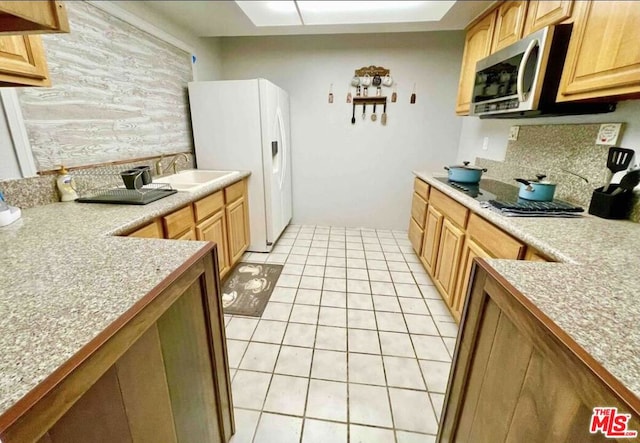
(521, 68)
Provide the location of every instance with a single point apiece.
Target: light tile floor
(354, 345)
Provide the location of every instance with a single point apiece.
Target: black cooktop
(486, 190)
(504, 198)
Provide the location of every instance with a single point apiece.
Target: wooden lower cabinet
(534, 255)
(415, 236)
(158, 374)
(238, 228)
(447, 263)
(221, 217)
(432, 230)
(22, 61)
(214, 229)
(189, 234)
(152, 230)
(517, 377)
(470, 250)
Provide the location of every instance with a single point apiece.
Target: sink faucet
(172, 164)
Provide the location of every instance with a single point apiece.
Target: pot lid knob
(540, 177)
(466, 163)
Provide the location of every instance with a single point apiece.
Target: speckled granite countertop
(66, 277)
(591, 293)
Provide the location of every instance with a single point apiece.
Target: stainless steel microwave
(522, 79)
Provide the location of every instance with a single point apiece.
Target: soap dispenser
(66, 185)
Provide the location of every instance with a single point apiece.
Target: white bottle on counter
(66, 185)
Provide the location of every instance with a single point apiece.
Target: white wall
(474, 130)
(358, 175)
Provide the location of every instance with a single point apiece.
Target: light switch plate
(609, 134)
(513, 133)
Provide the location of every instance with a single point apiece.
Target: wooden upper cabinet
(33, 17)
(509, 24)
(541, 13)
(477, 45)
(603, 58)
(22, 61)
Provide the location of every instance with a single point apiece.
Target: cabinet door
(188, 235)
(477, 45)
(541, 13)
(603, 58)
(22, 61)
(509, 24)
(238, 229)
(215, 229)
(448, 260)
(415, 236)
(432, 228)
(470, 250)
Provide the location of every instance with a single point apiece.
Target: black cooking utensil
(383, 119)
(628, 182)
(618, 160)
(353, 117)
(364, 110)
(374, 116)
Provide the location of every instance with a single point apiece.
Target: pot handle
(446, 168)
(484, 169)
(525, 182)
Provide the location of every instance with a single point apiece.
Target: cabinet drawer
(493, 240)
(415, 236)
(418, 210)
(234, 192)
(152, 230)
(208, 206)
(421, 188)
(178, 222)
(450, 208)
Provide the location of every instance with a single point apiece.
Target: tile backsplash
(566, 154)
(41, 190)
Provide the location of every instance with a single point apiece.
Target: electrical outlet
(609, 134)
(513, 133)
(485, 144)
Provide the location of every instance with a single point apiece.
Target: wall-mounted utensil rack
(369, 100)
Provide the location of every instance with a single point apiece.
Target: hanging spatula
(618, 160)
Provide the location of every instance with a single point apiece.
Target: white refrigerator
(244, 125)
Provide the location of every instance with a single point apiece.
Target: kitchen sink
(190, 180)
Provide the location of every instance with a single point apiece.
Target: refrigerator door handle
(283, 154)
(274, 148)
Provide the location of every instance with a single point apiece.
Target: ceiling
(225, 18)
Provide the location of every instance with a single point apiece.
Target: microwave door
(509, 80)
